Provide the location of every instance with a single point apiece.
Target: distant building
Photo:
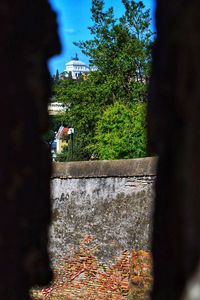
(75, 68)
(61, 139)
(55, 108)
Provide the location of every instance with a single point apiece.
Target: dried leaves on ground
(83, 276)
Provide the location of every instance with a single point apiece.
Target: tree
(63, 156)
(49, 136)
(54, 124)
(86, 101)
(121, 132)
(57, 77)
(121, 48)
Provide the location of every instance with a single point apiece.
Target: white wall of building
(76, 68)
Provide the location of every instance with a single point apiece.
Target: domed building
(75, 68)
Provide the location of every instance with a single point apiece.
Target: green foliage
(85, 100)
(49, 136)
(68, 153)
(121, 132)
(63, 156)
(54, 124)
(57, 75)
(120, 49)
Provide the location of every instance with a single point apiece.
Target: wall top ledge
(106, 168)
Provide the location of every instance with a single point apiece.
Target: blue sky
(73, 18)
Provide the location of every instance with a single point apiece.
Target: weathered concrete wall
(111, 200)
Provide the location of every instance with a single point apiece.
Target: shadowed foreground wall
(28, 38)
(111, 200)
(174, 135)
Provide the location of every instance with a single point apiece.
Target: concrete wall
(111, 200)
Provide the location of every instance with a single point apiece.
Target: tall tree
(57, 77)
(121, 48)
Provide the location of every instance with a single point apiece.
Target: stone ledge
(106, 168)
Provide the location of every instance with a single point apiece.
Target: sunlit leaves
(121, 132)
(121, 47)
(121, 51)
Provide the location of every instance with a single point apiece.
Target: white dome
(76, 63)
(76, 68)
